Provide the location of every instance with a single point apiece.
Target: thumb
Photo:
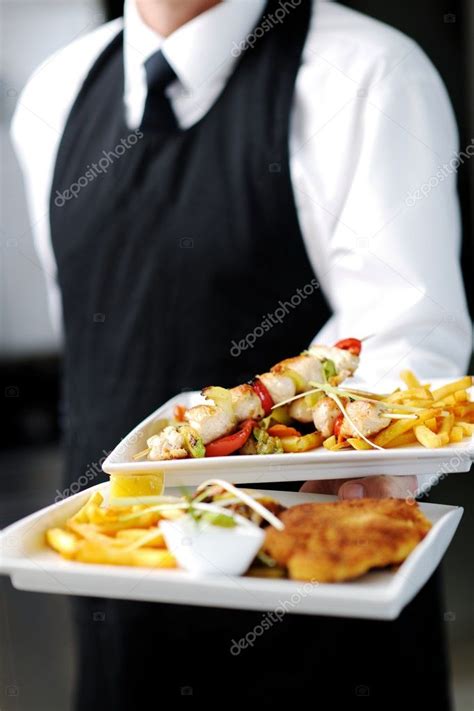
(380, 487)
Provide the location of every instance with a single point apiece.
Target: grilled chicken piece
(280, 387)
(367, 417)
(342, 540)
(210, 422)
(307, 366)
(346, 363)
(246, 403)
(301, 411)
(169, 444)
(325, 413)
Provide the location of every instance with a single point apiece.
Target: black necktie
(158, 116)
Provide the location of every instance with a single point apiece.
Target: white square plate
(380, 594)
(252, 469)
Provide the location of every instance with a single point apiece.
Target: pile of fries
(432, 418)
(113, 536)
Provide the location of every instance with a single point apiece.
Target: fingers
(379, 487)
(325, 486)
(376, 487)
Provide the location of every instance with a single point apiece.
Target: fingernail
(352, 491)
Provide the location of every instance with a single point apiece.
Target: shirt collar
(197, 51)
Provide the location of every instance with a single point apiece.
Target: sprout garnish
(192, 506)
(246, 499)
(350, 395)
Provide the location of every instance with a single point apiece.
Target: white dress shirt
(371, 129)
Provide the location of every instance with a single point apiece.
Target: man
(188, 171)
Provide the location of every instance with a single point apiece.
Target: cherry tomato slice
(263, 394)
(353, 345)
(283, 431)
(231, 443)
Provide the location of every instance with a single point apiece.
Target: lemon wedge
(131, 489)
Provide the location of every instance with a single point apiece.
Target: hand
(377, 487)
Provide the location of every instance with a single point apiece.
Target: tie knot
(159, 73)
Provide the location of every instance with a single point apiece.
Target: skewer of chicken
(252, 401)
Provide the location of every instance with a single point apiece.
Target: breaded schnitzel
(344, 539)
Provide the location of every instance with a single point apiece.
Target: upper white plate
(317, 464)
(377, 595)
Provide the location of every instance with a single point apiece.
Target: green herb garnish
(267, 444)
(329, 370)
(219, 519)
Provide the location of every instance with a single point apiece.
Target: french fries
(329, 442)
(112, 536)
(451, 388)
(82, 516)
(333, 445)
(447, 424)
(456, 435)
(399, 427)
(442, 425)
(410, 379)
(444, 415)
(357, 443)
(129, 536)
(467, 428)
(63, 542)
(419, 393)
(100, 553)
(403, 440)
(427, 438)
(302, 444)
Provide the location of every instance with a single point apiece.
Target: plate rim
(321, 456)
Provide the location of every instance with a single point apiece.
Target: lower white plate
(317, 464)
(378, 595)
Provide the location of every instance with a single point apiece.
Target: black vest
(180, 261)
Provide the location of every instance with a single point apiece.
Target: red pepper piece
(231, 443)
(263, 394)
(353, 345)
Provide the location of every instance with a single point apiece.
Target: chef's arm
(389, 263)
(382, 225)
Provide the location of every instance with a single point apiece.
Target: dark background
(36, 646)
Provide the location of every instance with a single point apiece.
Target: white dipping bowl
(206, 549)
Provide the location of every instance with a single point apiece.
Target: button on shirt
(373, 143)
